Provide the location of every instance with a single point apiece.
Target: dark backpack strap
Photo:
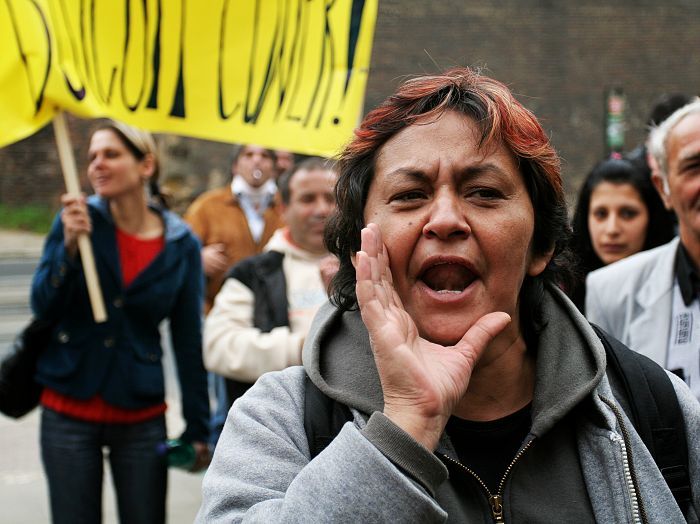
(655, 413)
(323, 417)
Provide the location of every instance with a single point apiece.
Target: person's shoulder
(98, 207)
(262, 262)
(275, 389)
(632, 267)
(204, 201)
(176, 229)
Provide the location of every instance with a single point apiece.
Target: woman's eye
(409, 196)
(485, 193)
(600, 214)
(628, 213)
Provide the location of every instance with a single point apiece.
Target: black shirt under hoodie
(487, 448)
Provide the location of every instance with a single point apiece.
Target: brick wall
(558, 57)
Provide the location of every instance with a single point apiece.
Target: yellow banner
(285, 74)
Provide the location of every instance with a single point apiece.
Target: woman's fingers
(480, 335)
(368, 242)
(372, 309)
(373, 248)
(378, 242)
(76, 220)
(368, 289)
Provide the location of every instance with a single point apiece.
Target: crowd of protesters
(447, 297)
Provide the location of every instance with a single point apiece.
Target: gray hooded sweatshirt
(581, 462)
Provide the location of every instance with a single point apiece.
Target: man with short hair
(236, 221)
(285, 160)
(650, 300)
(264, 309)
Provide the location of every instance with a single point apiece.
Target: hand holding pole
(70, 176)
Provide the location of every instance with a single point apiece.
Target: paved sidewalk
(20, 244)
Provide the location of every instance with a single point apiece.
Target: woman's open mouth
(447, 278)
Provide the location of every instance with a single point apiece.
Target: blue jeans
(217, 389)
(72, 453)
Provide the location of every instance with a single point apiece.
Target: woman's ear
(148, 166)
(539, 262)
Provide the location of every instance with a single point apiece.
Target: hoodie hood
(175, 228)
(570, 361)
(280, 242)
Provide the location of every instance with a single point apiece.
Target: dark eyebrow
(689, 160)
(484, 168)
(469, 172)
(409, 172)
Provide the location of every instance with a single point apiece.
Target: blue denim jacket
(121, 358)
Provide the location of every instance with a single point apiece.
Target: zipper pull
(496, 502)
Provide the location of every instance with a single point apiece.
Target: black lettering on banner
(105, 98)
(155, 62)
(291, 65)
(222, 40)
(283, 69)
(302, 29)
(353, 37)
(325, 74)
(178, 107)
(75, 48)
(284, 72)
(37, 95)
(324, 70)
(252, 116)
(127, 39)
(83, 42)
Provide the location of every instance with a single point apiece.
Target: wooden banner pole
(70, 175)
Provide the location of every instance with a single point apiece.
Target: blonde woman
(103, 383)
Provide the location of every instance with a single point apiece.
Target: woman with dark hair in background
(103, 383)
(618, 214)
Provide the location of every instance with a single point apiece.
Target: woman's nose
(612, 224)
(447, 219)
(96, 161)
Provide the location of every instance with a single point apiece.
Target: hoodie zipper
(495, 501)
(638, 511)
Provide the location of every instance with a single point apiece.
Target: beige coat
(216, 217)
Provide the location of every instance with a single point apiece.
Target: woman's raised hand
(422, 382)
(75, 219)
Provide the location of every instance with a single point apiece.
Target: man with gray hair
(650, 301)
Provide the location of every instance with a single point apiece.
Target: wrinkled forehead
(450, 139)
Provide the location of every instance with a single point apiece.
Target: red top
(135, 255)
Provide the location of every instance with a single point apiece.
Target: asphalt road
(23, 493)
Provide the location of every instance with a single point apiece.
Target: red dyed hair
(500, 116)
